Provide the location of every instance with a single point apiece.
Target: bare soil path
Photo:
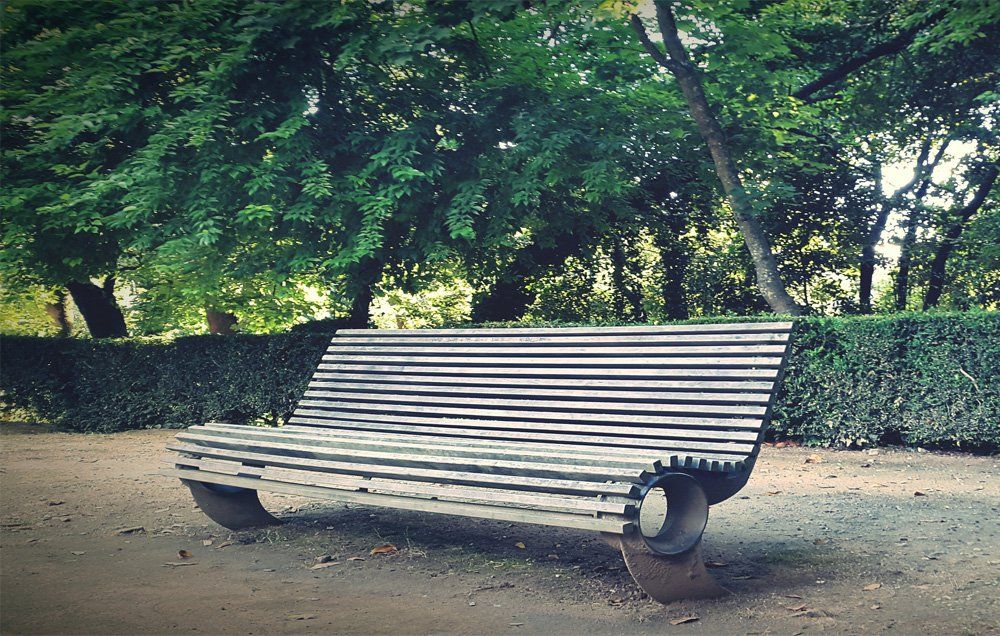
(842, 545)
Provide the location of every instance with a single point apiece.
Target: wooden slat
(644, 372)
(437, 455)
(604, 441)
(570, 407)
(490, 496)
(469, 449)
(635, 474)
(397, 379)
(317, 407)
(535, 360)
(634, 397)
(638, 350)
(512, 482)
(419, 437)
(613, 525)
(610, 432)
(372, 338)
(652, 330)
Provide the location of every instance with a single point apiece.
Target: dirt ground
(884, 541)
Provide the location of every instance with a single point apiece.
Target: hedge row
(918, 379)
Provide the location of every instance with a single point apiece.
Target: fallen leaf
(795, 596)
(56, 503)
(225, 544)
(684, 619)
(814, 459)
(520, 545)
(821, 541)
(919, 494)
(131, 530)
(78, 552)
(323, 558)
(744, 577)
(386, 548)
(876, 606)
(355, 558)
(324, 564)
(715, 564)
(871, 587)
(177, 564)
(797, 608)
(184, 554)
(514, 624)
(772, 493)
(301, 617)
(207, 542)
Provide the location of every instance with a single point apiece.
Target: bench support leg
(233, 508)
(668, 578)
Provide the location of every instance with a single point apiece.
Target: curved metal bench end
(233, 508)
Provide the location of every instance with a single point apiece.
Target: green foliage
(918, 379)
(95, 386)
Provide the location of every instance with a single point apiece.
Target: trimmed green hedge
(918, 379)
(106, 386)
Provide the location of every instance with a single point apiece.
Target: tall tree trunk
(627, 300)
(679, 64)
(905, 261)
(935, 283)
(508, 298)
(887, 205)
(99, 308)
(910, 235)
(362, 288)
(57, 312)
(868, 258)
(220, 322)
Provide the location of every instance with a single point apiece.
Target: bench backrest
(703, 390)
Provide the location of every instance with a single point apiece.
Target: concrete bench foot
(233, 508)
(668, 578)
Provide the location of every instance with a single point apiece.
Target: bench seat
(567, 427)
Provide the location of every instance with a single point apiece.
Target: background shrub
(918, 379)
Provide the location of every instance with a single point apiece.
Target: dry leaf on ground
(207, 542)
(520, 545)
(386, 548)
(684, 619)
(814, 459)
(355, 558)
(871, 587)
(324, 564)
(184, 554)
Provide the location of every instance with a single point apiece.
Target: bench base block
(233, 508)
(667, 578)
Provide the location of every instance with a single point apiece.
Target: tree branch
(889, 47)
(651, 48)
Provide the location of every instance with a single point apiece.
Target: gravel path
(819, 541)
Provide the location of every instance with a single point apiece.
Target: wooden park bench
(569, 427)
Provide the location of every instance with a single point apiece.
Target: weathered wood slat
(611, 432)
(469, 449)
(462, 381)
(636, 473)
(570, 407)
(490, 496)
(512, 482)
(645, 372)
(536, 360)
(567, 340)
(318, 407)
(610, 395)
(612, 525)
(418, 436)
(664, 445)
(514, 332)
(638, 350)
